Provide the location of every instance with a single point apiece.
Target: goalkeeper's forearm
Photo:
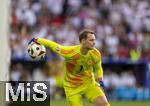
(50, 44)
(47, 43)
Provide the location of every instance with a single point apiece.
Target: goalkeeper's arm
(57, 48)
(99, 75)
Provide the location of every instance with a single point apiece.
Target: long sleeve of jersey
(99, 71)
(98, 66)
(64, 51)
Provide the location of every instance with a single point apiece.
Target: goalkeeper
(83, 73)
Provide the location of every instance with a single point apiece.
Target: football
(36, 51)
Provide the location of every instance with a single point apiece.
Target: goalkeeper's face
(89, 41)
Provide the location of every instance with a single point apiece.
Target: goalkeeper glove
(102, 86)
(32, 40)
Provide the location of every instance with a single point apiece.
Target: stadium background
(123, 37)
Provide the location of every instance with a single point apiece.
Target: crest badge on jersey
(90, 62)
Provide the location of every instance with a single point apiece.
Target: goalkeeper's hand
(33, 40)
(101, 83)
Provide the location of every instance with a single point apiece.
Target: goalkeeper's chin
(91, 48)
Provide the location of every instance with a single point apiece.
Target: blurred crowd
(123, 85)
(122, 26)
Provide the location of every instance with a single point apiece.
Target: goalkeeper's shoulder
(96, 53)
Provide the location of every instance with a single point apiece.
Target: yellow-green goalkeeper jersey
(80, 68)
